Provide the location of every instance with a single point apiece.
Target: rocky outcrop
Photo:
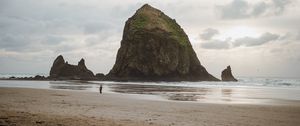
(100, 76)
(227, 75)
(62, 70)
(37, 77)
(155, 48)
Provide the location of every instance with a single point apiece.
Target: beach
(25, 106)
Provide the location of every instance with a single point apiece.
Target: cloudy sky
(255, 37)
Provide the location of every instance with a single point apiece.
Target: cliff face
(227, 75)
(62, 70)
(155, 48)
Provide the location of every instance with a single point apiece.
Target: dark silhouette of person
(100, 89)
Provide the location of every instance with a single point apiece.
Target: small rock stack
(63, 70)
(227, 75)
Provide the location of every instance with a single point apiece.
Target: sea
(248, 90)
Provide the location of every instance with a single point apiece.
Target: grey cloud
(239, 9)
(96, 40)
(58, 17)
(66, 47)
(92, 40)
(14, 42)
(298, 36)
(250, 41)
(23, 43)
(208, 42)
(102, 38)
(94, 28)
(276, 50)
(259, 8)
(53, 25)
(280, 5)
(290, 37)
(287, 36)
(216, 44)
(54, 39)
(235, 9)
(208, 33)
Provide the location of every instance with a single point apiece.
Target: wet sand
(20, 106)
(215, 95)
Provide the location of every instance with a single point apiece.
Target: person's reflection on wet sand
(100, 89)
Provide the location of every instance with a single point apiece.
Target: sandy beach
(23, 106)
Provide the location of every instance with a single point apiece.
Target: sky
(255, 37)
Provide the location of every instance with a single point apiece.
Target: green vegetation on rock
(149, 18)
(178, 33)
(140, 21)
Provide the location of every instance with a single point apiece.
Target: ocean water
(248, 90)
(242, 82)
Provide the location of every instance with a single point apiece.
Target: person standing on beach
(100, 89)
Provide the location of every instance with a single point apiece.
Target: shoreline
(52, 107)
(201, 93)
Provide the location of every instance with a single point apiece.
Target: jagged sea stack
(62, 70)
(227, 75)
(155, 48)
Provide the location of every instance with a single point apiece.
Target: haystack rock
(227, 75)
(155, 48)
(62, 70)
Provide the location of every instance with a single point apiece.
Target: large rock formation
(62, 70)
(155, 48)
(227, 75)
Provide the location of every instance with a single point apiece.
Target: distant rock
(63, 70)
(227, 75)
(99, 76)
(12, 77)
(155, 48)
(39, 77)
